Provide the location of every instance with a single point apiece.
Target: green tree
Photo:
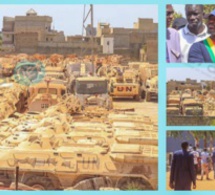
(207, 136)
(177, 15)
(208, 8)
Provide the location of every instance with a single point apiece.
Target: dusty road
(145, 108)
(200, 184)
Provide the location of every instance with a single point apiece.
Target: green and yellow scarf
(210, 46)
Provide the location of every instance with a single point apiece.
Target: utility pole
(86, 15)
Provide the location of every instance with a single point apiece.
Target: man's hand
(171, 185)
(194, 186)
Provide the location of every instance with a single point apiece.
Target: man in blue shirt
(204, 51)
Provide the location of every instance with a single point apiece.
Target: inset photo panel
(190, 160)
(190, 34)
(79, 97)
(190, 96)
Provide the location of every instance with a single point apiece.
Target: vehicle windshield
(56, 76)
(51, 90)
(77, 68)
(91, 87)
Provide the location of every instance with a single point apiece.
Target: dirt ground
(200, 184)
(145, 108)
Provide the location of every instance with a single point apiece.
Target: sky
(179, 8)
(69, 18)
(206, 73)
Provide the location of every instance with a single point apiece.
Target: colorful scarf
(210, 46)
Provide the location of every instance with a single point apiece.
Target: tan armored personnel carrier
(149, 78)
(74, 70)
(93, 91)
(53, 152)
(13, 98)
(173, 104)
(56, 75)
(7, 65)
(125, 84)
(83, 161)
(191, 107)
(44, 95)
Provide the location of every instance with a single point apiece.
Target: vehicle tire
(147, 97)
(133, 184)
(137, 98)
(5, 180)
(19, 106)
(143, 95)
(94, 183)
(40, 183)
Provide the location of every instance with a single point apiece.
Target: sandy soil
(200, 184)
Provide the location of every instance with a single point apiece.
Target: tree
(208, 8)
(177, 15)
(207, 136)
(174, 134)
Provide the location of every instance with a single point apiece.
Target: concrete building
(24, 32)
(33, 34)
(182, 85)
(139, 42)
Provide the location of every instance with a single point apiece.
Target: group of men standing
(185, 166)
(195, 42)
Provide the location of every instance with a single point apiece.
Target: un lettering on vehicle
(124, 88)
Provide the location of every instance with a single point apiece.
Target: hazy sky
(68, 18)
(179, 8)
(207, 73)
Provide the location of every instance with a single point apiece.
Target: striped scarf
(210, 46)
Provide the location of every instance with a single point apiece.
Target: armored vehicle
(78, 69)
(149, 80)
(53, 152)
(44, 95)
(173, 104)
(13, 98)
(191, 107)
(125, 84)
(93, 91)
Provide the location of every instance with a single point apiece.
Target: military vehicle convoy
(54, 151)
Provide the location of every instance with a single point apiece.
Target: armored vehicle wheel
(94, 183)
(19, 106)
(133, 184)
(143, 95)
(137, 97)
(148, 96)
(40, 183)
(5, 180)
